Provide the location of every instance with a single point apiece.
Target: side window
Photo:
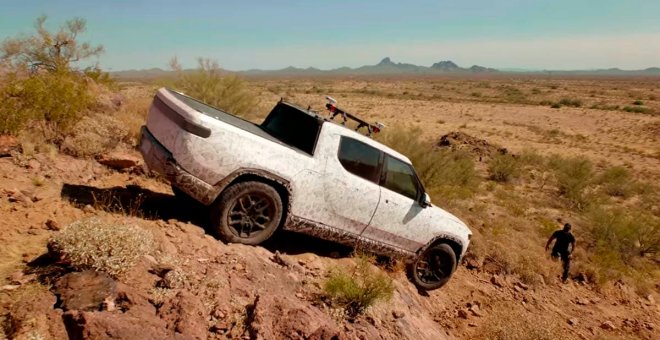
(400, 177)
(359, 158)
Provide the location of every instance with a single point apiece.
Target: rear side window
(400, 177)
(359, 158)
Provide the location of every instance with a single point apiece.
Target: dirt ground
(234, 291)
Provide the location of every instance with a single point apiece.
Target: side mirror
(426, 201)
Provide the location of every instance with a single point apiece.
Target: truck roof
(351, 133)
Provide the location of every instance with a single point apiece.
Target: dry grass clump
(356, 289)
(93, 135)
(93, 244)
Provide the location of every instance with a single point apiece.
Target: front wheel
(433, 267)
(247, 212)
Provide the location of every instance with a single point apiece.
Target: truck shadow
(134, 200)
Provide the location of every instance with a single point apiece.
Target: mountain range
(387, 67)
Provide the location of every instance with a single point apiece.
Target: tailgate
(169, 119)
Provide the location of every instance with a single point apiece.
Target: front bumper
(160, 160)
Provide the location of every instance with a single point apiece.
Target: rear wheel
(433, 267)
(247, 212)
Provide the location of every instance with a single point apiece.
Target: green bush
(637, 109)
(616, 181)
(43, 89)
(570, 102)
(358, 288)
(573, 177)
(503, 168)
(51, 101)
(448, 173)
(625, 235)
(93, 244)
(215, 87)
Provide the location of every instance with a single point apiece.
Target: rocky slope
(195, 287)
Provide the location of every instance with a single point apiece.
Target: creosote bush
(573, 177)
(43, 88)
(215, 87)
(94, 244)
(358, 288)
(616, 181)
(503, 168)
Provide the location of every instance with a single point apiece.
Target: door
(394, 220)
(352, 192)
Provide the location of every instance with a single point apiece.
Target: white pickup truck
(301, 171)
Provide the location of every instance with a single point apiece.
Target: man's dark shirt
(562, 240)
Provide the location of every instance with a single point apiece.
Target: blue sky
(543, 34)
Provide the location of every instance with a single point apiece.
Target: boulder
(85, 291)
(185, 315)
(106, 325)
(118, 160)
(279, 317)
(8, 145)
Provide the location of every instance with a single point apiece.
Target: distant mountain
(387, 67)
(445, 65)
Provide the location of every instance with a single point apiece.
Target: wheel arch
(281, 185)
(455, 244)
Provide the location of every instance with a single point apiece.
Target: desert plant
(625, 235)
(211, 85)
(503, 168)
(616, 181)
(93, 135)
(94, 244)
(50, 101)
(570, 102)
(637, 109)
(51, 51)
(43, 87)
(573, 177)
(357, 288)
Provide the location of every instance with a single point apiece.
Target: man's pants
(565, 261)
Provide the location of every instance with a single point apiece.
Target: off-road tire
(447, 261)
(233, 203)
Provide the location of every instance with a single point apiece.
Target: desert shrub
(51, 101)
(621, 236)
(446, 172)
(555, 105)
(209, 84)
(93, 135)
(638, 102)
(43, 87)
(570, 102)
(357, 288)
(616, 181)
(94, 244)
(503, 168)
(637, 109)
(573, 177)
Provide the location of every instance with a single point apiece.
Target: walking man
(564, 239)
